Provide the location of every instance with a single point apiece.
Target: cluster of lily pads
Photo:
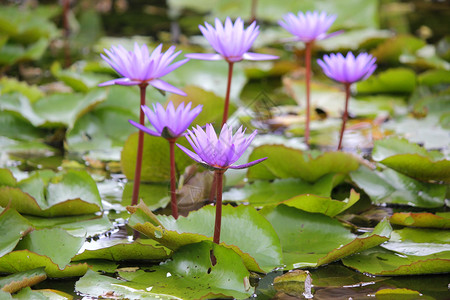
(381, 214)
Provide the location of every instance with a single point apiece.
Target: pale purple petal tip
(143, 128)
(204, 56)
(250, 164)
(259, 56)
(162, 85)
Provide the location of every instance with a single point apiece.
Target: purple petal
(250, 164)
(120, 81)
(191, 154)
(143, 128)
(259, 56)
(204, 56)
(162, 85)
(332, 34)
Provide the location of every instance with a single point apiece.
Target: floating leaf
(72, 193)
(28, 293)
(311, 240)
(399, 80)
(284, 162)
(391, 50)
(262, 192)
(380, 261)
(121, 250)
(15, 282)
(191, 275)
(11, 85)
(78, 80)
(155, 161)
(404, 294)
(13, 227)
(390, 186)
(154, 195)
(7, 178)
(243, 230)
(412, 160)
(427, 220)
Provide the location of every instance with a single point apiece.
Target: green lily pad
(390, 186)
(262, 192)
(284, 162)
(155, 161)
(212, 110)
(13, 227)
(23, 260)
(72, 193)
(399, 80)
(322, 205)
(77, 79)
(412, 160)
(15, 127)
(120, 250)
(7, 178)
(154, 195)
(311, 240)
(47, 294)
(391, 294)
(391, 50)
(380, 261)
(191, 275)
(55, 243)
(243, 230)
(15, 282)
(12, 85)
(12, 53)
(424, 219)
(23, 107)
(65, 109)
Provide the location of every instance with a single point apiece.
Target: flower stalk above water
(142, 68)
(347, 70)
(308, 27)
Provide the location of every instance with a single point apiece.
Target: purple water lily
(169, 123)
(347, 70)
(219, 154)
(140, 67)
(231, 41)
(308, 27)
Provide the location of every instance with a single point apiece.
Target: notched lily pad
(311, 240)
(284, 162)
(243, 230)
(47, 194)
(424, 219)
(13, 227)
(412, 160)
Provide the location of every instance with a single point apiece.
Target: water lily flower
(169, 123)
(347, 70)
(139, 67)
(308, 27)
(231, 41)
(219, 154)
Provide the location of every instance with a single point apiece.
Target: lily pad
(263, 192)
(390, 186)
(284, 162)
(28, 293)
(15, 282)
(424, 219)
(123, 250)
(154, 195)
(380, 261)
(391, 50)
(7, 178)
(399, 80)
(311, 240)
(191, 274)
(243, 230)
(412, 160)
(55, 243)
(13, 227)
(155, 161)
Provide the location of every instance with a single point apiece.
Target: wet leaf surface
(17, 281)
(426, 220)
(13, 227)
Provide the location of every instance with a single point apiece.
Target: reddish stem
(212, 192)
(345, 115)
(227, 96)
(253, 11)
(173, 182)
(219, 179)
(308, 86)
(137, 173)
